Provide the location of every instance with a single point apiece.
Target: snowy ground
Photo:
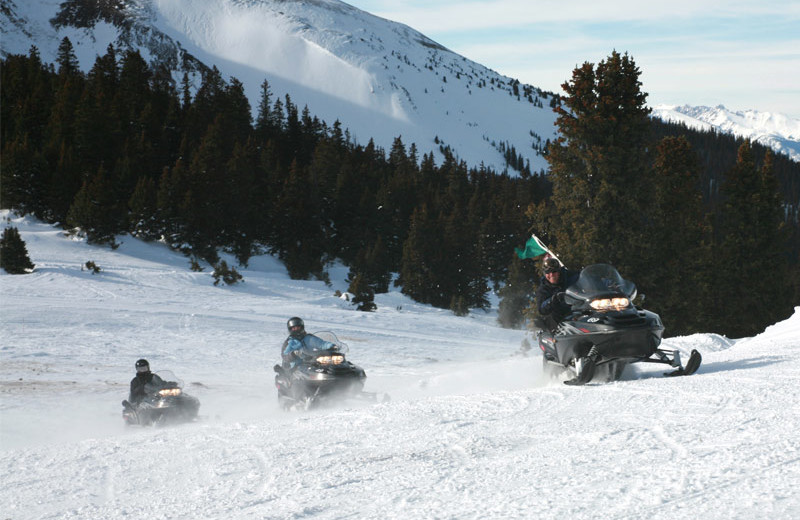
(473, 430)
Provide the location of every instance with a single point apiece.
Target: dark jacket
(138, 383)
(557, 311)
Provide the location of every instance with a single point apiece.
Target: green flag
(533, 249)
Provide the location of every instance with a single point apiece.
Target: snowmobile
(166, 403)
(321, 376)
(605, 332)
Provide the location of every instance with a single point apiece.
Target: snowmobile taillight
(334, 359)
(169, 392)
(610, 304)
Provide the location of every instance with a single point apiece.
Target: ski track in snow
(473, 429)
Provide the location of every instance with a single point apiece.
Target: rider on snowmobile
(298, 341)
(143, 377)
(550, 294)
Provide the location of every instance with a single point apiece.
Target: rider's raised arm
(316, 343)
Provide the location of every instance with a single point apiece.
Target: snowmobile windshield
(327, 338)
(163, 379)
(600, 281)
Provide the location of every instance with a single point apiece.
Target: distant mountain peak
(777, 131)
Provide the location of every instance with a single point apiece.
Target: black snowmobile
(605, 332)
(321, 376)
(166, 403)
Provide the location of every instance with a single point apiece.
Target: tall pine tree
(678, 252)
(751, 263)
(599, 166)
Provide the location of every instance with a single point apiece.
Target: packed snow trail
(474, 430)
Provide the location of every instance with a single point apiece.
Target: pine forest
(705, 224)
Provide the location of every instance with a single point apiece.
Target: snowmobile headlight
(610, 304)
(169, 392)
(333, 359)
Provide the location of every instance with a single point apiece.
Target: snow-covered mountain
(379, 78)
(473, 428)
(777, 131)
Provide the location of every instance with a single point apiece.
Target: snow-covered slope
(777, 131)
(473, 429)
(381, 79)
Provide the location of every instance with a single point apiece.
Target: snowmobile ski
(585, 369)
(691, 366)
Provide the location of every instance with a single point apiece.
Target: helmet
(551, 265)
(142, 366)
(296, 326)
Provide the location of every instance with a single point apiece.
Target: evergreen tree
(98, 127)
(23, 174)
(377, 265)
(421, 251)
(186, 92)
(352, 229)
(64, 177)
(63, 184)
(133, 94)
(299, 233)
(323, 169)
(229, 275)
(143, 210)
(494, 241)
(398, 196)
(25, 97)
(96, 211)
(237, 115)
(371, 264)
(599, 166)
(459, 261)
(172, 188)
(678, 252)
(13, 252)
(363, 294)
(203, 111)
(243, 188)
(267, 126)
(751, 262)
(205, 208)
(65, 58)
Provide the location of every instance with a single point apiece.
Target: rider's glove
(558, 297)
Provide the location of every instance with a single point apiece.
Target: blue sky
(741, 54)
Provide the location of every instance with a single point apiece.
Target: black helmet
(551, 265)
(142, 366)
(296, 326)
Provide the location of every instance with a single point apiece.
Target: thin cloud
(741, 54)
(455, 16)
